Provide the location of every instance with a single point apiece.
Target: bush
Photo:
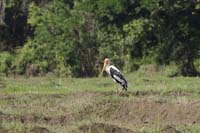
(197, 64)
(170, 70)
(31, 60)
(150, 69)
(5, 62)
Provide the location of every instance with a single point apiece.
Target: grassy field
(153, 103)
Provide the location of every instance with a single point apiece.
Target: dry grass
(47, 104)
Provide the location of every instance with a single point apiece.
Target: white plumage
(109, 67)
(115, 74)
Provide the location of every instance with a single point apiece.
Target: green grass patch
(136, 82)
(67, 104)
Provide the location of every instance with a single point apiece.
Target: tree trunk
(187, 67)
(2, 12)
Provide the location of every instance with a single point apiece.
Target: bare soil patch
(3, 130)
(169, 129)
(32, 118)
(38, 129)
(146, 111)
(102, 127)
(138, 111)
(144, 93)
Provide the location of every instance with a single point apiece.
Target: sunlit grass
(54, 85)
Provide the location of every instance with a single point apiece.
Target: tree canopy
(72, 37)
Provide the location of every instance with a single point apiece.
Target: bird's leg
(118, 90)
(118, 93)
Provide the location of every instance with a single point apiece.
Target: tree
(15, 30)
(2, 12)
(65, 38)
(71, 37)
(175, 24)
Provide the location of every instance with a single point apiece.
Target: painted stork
(115, 74)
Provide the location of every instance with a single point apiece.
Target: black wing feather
(123, 81)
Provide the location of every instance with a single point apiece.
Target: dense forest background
(72, 37)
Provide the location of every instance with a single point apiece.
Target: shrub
(5, 62)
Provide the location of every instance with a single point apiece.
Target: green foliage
(175, 35)
(198, 6)
(197, 64)
(109, 8)
(71, 38)
(135, 40)
(170, 70)
(150, 4)
(5, 62)
(49, 48)
(64, 38)
(111, 45)
(27, 56)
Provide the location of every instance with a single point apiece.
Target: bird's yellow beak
(103, 69)
(106, 62)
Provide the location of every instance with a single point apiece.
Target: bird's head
(105, 64)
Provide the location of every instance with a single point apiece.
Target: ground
(153, 103)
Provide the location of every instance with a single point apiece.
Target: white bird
(115, 74)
